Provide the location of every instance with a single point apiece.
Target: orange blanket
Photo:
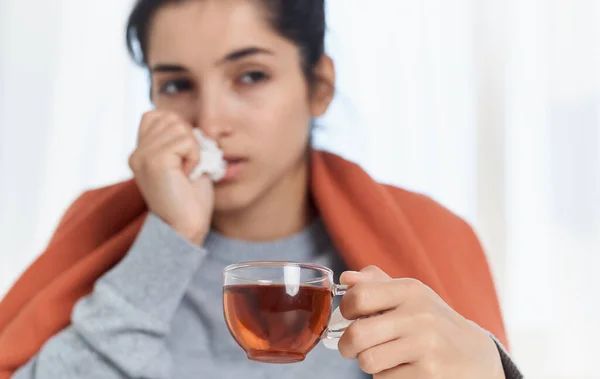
(406, 234)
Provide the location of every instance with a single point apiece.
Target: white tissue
(211, 159)
(336, 322)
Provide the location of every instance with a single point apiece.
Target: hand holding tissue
(175, 166)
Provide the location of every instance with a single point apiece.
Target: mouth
(231, 159)
(235, 167)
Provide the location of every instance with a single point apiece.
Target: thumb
(367, 274)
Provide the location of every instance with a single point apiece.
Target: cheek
(278, 123)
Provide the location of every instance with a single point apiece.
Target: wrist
(195, 236)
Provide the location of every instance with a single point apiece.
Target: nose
(211, 115)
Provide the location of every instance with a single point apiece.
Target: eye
(175, 87)
(252, 77)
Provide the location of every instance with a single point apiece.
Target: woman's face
(218, 64)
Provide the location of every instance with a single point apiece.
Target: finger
(164, 133)
(351, 278)
(367, 333)
(374, 273)
(159, 128)
(190, 164)
(185, 147)
(368, 298)
(149, 119)
(387, 356)
(151, 152)
(192, 160)
(406, 371)
(171, 154)
(370, 273)
(166, 123)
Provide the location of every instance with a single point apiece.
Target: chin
(231, 198)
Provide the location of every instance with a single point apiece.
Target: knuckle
(174, 124)
(191, 139)
(189, 144)
(360, 296)
(432, 344)
(345, 347)
(148, 164)
(348, 305)
(414, 284)
(428, 320)
(368, 363)
(414, 287)
(179, 127)
(133, 162)
(148, 116)
(376, 273)
(345, 306)
(140, 162)
(371, 268)
(351, 340)
(431, 369)
(170, 116)
(353, 333)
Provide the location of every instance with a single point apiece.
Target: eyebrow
(243, 53)
(231, 57)
(168, 68)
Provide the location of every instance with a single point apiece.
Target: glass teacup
(279, 311)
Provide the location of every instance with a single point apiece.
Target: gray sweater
(158, 315)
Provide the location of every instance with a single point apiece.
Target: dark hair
(300, 21)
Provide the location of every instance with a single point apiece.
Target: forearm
(119, 330)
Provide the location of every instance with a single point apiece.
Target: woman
(252, 75)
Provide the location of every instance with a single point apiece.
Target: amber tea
(275, 324)
(278, 311)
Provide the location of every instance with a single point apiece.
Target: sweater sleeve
(119, 330)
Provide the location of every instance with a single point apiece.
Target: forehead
(208, 29)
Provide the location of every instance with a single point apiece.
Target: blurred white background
(490, 106)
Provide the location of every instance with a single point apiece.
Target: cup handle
(337, 323)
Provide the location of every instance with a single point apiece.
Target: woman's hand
(167, 153)
(404, 330)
